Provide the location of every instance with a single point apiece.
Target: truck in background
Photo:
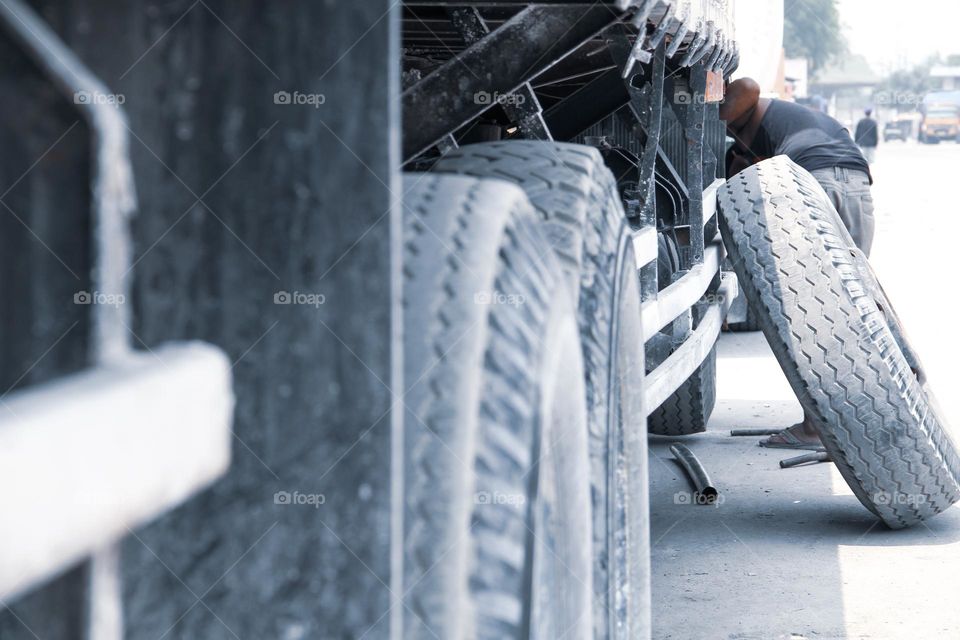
(940, 121)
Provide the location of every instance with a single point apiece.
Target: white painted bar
(710, 200)
(665, 379)
(89, 456)
(645, 240)
(645, 246)
(682, 294)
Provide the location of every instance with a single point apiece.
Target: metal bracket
(537, 37)
(706, 45)
(692, 117)
(647, 106)
(521, 106)
(680, 34)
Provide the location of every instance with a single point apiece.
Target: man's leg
(852, 199)
(849, 191)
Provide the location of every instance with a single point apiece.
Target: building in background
(847, 85)
(945, 78)
(795, 78)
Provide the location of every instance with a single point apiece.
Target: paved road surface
(792, 553)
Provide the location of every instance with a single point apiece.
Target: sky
(894, 34)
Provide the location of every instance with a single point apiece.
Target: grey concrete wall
(242, 198)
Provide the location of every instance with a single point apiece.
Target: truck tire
(688, 410)
(577, 200)
(668, 260)
(496, 469)
(819, 306)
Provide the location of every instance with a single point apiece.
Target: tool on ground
(754, 432)
(816, 456)
(704, 491)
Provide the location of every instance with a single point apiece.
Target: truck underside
(641, 82)
(606, 116)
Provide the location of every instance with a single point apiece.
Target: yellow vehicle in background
(941, 118)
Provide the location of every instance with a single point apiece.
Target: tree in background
(812, 30)
(904, 89)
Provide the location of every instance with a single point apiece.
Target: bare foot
(799, 436)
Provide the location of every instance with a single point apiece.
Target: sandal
(786, 440)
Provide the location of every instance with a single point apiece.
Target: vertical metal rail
(714, 162)
(692, 118)
(646, 105)
(113, 203)
(112, 186)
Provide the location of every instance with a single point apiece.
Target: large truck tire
(688, 410)
(839, 343)
(496, 469)
(668, 260)
(576, 198)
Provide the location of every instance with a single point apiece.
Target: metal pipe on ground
(705, 492)
(754, 432)
(816, 456)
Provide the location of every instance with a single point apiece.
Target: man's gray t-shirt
(810, 138)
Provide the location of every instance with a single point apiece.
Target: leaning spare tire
(839, 344)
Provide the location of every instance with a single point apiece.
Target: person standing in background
(867, 136)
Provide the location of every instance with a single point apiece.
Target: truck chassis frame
(628, 77)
